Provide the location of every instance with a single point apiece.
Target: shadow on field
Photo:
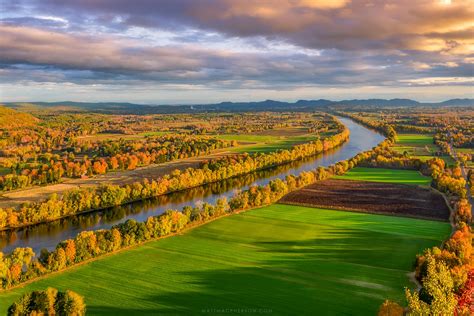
(343, 273)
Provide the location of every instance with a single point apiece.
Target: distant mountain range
(267, 105)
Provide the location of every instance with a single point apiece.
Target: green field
(465, 150)
(285, 260)
(157, 133)
(418, 139)
(417, 145)
(386, 175)
(265, 143)
(420, 146)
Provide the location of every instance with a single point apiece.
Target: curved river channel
(48, 235)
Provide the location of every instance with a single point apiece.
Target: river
(50, 234)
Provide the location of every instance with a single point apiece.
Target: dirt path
(39, 193)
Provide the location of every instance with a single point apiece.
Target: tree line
(49, 302)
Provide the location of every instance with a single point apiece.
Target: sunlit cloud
(439, 80)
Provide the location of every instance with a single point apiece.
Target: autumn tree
(437, 295)
(49, 302)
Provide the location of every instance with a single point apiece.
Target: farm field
(268, 141)
(372, 197)
(110, 136)
(417, 145)
(417, 139)
(410, 177)
(465, 150)
(420, 146)
(280, 259)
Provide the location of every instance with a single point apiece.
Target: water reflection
(48, 235)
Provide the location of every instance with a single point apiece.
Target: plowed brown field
(372, 197)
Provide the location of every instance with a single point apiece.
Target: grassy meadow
(279, 259)
(420, 146)
(265, 143)
(416, 145)
(386, 175)
(415, 139)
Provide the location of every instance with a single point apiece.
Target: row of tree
(86, 199)
(49, 302)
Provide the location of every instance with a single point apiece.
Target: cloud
(47, 55)
(36, 21)
(238, 44)
(425, 25)
(440, 81)
(40, 47)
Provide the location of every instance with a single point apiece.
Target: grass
(156, 133)
(420, 146)
(418, 139)
(280, 259)
(265, 143)
(386, 175)
(110, 136)
(465, 150)
(248, 138)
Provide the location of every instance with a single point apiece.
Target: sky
(205, 51)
